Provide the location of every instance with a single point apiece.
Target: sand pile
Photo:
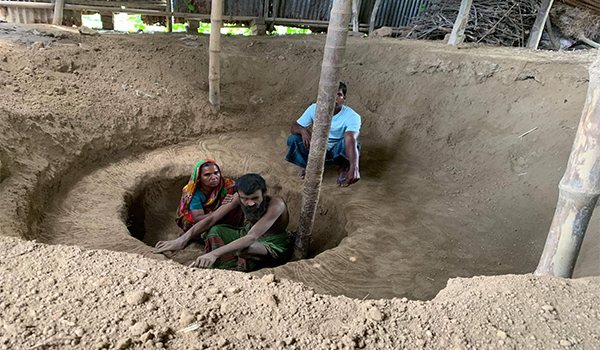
(66, 297)
(448, 189)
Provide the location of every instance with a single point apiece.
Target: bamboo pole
(355, 15)
(169, 17)
(374, 16)
(331, 67)
(579, 189)
(538, 25)
(458, 31)
(214, 72)
(59, 7)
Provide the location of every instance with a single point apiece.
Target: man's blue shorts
(298, 154)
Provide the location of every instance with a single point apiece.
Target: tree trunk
(579, 189)
(328, 88)
(214, 72)
(374, 16)
(458, 31)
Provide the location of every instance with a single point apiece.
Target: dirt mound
(448, 189)
(66, 297)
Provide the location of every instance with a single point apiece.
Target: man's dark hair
(343, 87)
(250, 183)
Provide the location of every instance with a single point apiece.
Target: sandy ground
(95, 128)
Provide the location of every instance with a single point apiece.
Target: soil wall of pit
(448, 181)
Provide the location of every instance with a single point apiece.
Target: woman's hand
(228, 199)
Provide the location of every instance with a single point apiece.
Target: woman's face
(210, 176)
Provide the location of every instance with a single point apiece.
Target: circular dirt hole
(150, 214)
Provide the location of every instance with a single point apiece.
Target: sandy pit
(98, 134)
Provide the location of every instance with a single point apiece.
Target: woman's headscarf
(184, 215)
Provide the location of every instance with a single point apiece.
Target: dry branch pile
(494, 22)
(575, 22)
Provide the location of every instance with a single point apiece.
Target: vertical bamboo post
(579, 189)
(59, 7)
(374, 16)
(458, 31)
(355, 15)
(214, 71)
(331, 67)
(169, 17)
(538, 26)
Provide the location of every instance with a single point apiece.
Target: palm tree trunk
(214, 73)
(579, 189)
(328, 88)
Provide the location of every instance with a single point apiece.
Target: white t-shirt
(345, 120)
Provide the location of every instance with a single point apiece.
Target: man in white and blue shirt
(343, 148)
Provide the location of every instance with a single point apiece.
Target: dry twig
(494, 22)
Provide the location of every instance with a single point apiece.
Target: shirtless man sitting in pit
(263, 239)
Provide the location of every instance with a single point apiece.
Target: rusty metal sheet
(253, 8)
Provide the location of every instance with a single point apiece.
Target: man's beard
(254, 215)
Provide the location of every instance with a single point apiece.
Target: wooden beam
(458, 31)
(30, 5)
(59, 6)
(538, 27)
(374, 16)
(155, 5)
(555, 43)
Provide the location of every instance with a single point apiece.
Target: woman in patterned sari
(205, 192)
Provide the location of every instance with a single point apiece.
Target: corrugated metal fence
(25, 15)
(252, 8)
(392, 13)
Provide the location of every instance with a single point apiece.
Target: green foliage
(136, 21)
(92, 21)
(282, 30)
(190, 6)
(179, 27)
(133, 23)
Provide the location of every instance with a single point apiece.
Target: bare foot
(173, 246)
(302, 174)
